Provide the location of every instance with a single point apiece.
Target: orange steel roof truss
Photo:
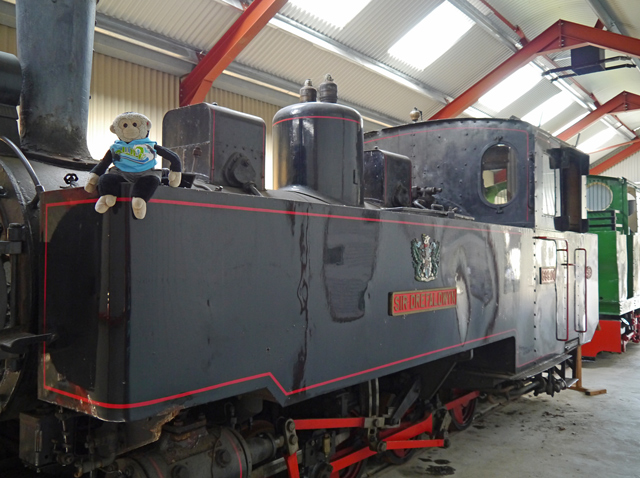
(618, 158)
(195, 85)
(562, 35)
(625, 101)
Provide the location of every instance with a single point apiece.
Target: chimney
(55, 49)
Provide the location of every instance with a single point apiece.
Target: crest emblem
(426, 258)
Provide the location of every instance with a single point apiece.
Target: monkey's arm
(98, 171)
(169, 156)
(175, 173)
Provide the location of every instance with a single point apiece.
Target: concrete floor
(568, 435)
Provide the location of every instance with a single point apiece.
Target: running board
(541, 367)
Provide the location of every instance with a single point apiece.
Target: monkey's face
(129, 127)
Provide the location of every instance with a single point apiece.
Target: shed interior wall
(118, 86)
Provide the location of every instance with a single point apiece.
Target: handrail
(586, 308)
(29, 168)
(567, 264)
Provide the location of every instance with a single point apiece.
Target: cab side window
(499, 174)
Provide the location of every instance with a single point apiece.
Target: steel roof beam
(195, 86)
(487, 24)
(623, 102)
(572, 86)
(616, 147)
(560, 36)
(615, 159)
(144, 38)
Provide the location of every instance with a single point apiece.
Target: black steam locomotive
(358, 309)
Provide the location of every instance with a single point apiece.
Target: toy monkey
(133, 157)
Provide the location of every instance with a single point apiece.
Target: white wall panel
(629, 168)
(8, 39)
(118, 86)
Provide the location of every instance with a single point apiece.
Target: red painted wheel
(399, 457)
(462, 417)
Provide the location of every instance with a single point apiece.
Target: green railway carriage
(613, 216)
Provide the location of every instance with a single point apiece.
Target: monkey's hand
(92, 182)
(174, 179)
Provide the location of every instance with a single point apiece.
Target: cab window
(499, 174)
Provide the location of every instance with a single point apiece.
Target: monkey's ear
(112, 129)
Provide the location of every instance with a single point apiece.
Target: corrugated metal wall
(8, 40)
(118, 86)
(629, 168)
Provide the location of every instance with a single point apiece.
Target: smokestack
(55, 48)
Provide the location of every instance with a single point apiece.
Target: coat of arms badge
(426, 258)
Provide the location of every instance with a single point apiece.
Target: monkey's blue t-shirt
(135, 157)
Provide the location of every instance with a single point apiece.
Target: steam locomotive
(359, 309)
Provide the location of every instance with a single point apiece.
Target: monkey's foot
(105, 202)
(139, 207)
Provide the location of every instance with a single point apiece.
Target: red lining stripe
(311, 214)
(155, 465)
(237, 454)
(263, 375)
(290, 213)
(254, 377)
(316, 117)
(429, 130)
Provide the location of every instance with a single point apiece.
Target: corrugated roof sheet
(534, 17)
(199, 23)
(628, 13)
(523, 105)
(564, 118)
(375, 28)
(474, 56)
(277, 53)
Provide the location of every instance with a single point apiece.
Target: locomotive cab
(497, 171)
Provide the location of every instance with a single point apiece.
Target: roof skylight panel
(597, 140)
(549, 109)
(570, 124)
(432, 37)
(335, 12)
(512, 88)
(476, 113)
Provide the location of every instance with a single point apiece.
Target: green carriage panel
(612, 214)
